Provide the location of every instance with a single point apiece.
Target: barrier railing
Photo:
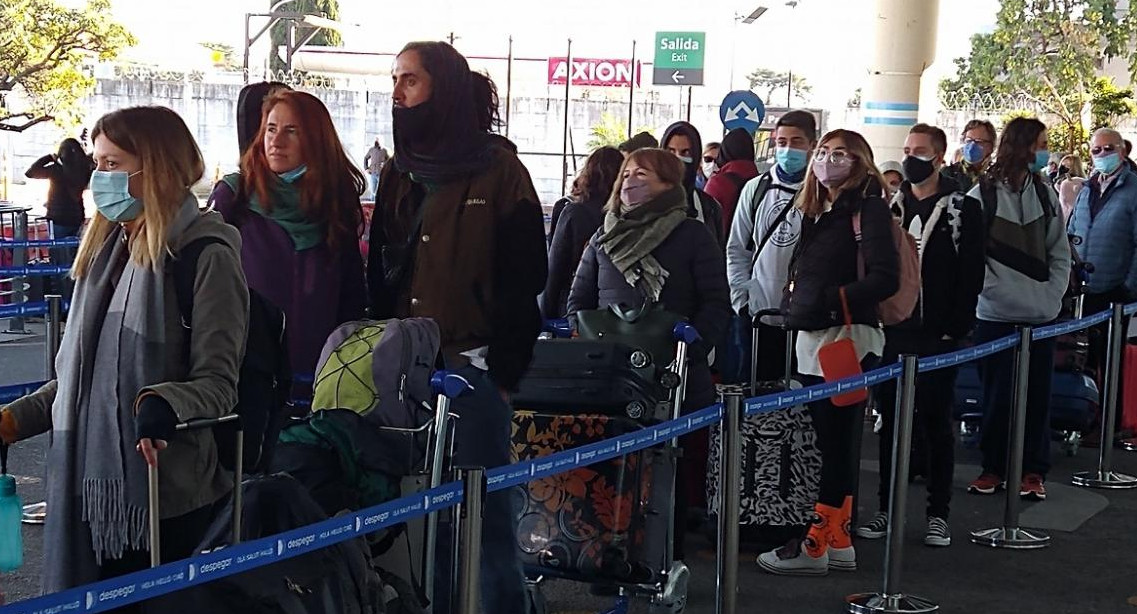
(105, 595)
(16, 275)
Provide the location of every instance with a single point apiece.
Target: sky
(827, 41)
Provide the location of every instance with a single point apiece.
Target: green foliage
(42, 50)
(1051, 52)
(770, 81)
(1109, 103)
(610, 131)
(321, 38)
(227, 54)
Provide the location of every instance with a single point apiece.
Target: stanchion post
(891, 599)
(53, 333)
(730, 477)
(1105, 477)
(470, 535)
(1011, 536)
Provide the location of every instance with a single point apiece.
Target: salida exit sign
(679, 58)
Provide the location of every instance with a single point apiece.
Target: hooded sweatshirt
(760, 284)
(701, 205)
(736, 167)
(1010, 295)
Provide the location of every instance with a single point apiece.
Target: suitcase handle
(763, 313)
(238, 477)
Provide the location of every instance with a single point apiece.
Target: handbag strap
(845, 308)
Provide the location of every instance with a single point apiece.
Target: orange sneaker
(1032, 487)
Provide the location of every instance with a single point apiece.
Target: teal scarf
(285, 212)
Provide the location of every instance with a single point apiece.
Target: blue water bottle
(11, 540)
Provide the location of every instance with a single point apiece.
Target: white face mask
(709, 168)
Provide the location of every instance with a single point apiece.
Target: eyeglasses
(838, 157)
(708, 159)
(982, 142)
(1103, 149)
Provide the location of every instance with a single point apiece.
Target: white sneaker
(938, 535)
(793, 560)
(842, 559)
(876, 528)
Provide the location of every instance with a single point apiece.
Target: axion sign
(594, 72)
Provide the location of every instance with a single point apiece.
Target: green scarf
(630, 235)
(286, 212)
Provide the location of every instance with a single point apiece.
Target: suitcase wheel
(672, 598)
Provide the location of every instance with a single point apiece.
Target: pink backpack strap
(857, 238)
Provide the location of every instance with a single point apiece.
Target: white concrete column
(905, 45)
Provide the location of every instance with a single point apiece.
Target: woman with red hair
(296, 203)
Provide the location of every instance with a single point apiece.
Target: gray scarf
(630, 235)
(114, 347)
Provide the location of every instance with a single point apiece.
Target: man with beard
(458, 236)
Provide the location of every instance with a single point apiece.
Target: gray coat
(696, 288)
(188, 469)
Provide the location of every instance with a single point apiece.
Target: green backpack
(379, 369)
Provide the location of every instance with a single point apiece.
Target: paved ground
(1090, 568)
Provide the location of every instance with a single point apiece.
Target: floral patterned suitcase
(589, 523)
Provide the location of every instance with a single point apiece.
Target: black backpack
(265, 379)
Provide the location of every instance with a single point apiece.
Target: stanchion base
(1111, 480)
(1011, 539)
(872, 603)
(1129, 445)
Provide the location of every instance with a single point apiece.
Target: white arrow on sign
(678, 76)
(742, 111)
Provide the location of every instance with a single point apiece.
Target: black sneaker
(938, 535)
(875, 528)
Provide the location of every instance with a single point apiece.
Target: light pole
(790, 73)
(749, 19)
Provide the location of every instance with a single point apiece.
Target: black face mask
(413, 124)
(917, 170)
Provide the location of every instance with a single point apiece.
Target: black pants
(934, 401)
(838, 439)
(1099, 343)
(181, 536)
(998, 375)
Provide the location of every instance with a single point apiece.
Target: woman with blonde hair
(837, 280)
(1069, 183)
(129, 368)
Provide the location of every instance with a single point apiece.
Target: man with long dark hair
(1028, 271)
(458, 236)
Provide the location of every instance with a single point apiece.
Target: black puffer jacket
(825, 259)
(578, 222)
(696, 287)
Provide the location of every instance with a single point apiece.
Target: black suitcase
(781, 465)
(577, 376)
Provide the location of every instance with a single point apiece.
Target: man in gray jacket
(762, 238)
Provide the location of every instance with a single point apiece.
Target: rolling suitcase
(781, 465)
(590, 523)
(595, 377)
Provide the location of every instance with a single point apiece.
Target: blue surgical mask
(111, 192)
(1041, 159)
(294, 174)
(1107, 163)
(972, 152)
(686, 159)
(790, 160)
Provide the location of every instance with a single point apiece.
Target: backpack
(379, 369)
(265, 378)
(900, 306)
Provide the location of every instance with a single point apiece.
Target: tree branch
(5, 126)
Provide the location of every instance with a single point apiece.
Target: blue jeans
(998, 374)
(482, 438)
(374, 185)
